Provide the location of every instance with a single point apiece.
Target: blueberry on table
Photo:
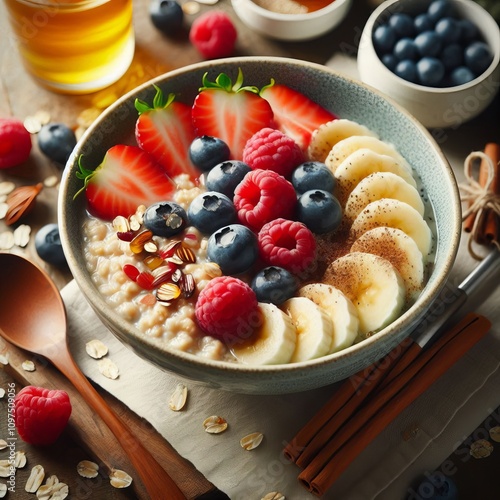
(384, 38)
(225, 176)
(165, 219)
(56, 141)
(478, 57)
(430, 71)
(319, 210)
(206, 151)
(210, 211)
(312, 175)
(48, 245)
(274, 285)
(166, 15)
(234, 248)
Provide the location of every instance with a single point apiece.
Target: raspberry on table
(41, 414)
(264, 195)
(227, 309)
(270, 149)
(15, 143)
(288, 244)
(213, 34)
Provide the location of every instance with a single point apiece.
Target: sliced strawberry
(294, 113)
(126, 178)
(165, 131)
(230, 112)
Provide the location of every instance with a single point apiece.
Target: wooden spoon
(33, 317)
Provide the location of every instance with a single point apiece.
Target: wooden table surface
(21, 97)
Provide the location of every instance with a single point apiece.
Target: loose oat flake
(274, 495)
(87, 469)
(481, 448)
(108, 368)
(22, 235)
(28, 366)
(5, 468)
(251, 441)
(215, 424)
(96, 349)
(51, 181)
(2, 392)
(178, 398)
(6, 187)
(54, 490)
(495, 434)
(20, 459)
(3, 444)
(3, 209)
(35, 479)
(3, 490)
(6, 240)
(120, 479)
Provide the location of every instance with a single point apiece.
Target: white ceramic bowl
(291, 27)
(433, 107)
(346, 98)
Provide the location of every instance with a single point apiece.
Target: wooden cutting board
(95, 439)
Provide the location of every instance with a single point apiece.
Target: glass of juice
(74, 46)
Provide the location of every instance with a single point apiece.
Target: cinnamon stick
(491, 225)
(366, 424)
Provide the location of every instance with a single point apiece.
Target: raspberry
(263, 195)
(213, 34)
(41, 414)
(15, 143)
(270, 149)
(227, 309)
(287, 244)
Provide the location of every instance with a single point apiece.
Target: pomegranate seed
(125, 235)
(131, 271)
(145, 280)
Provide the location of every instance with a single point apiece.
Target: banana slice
(372, 284)
(342, 311)
(274, 341)
(382, 185)
(314, 328)
(346, 147)
(400, 250)
(327, 135)
(398, 214)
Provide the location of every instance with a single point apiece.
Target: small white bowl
(433, 107)
(291, 27)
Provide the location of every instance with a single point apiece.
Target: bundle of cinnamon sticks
(367, 402)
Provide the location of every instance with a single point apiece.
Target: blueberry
(390, 61)
(430, 71)
(439, 9)
(166, 15)
(407, 70)
(274, 284)
(422, 23)
(56, 141)
(312, 175)
(384, 38)
(210, 211)
(225, 176)
(468, 31)
(438, 486)
(234, 248)
(478, 57)
(402, 24)
(448, 29)
(48, 245)
(205, 152)
(428, 43)
(405, 48)
(461, 76)
(319, 210)
(452, 56)
(165, 218)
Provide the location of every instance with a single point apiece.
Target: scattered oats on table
(87, 469)
(274, 495)
(178, 398)
(4, 468)
(96, 349)
(28, 366)
(251, 441)
(35, 479)
(481, 448)
(3, 444)
(120, 479)
(20, 459)
(215, 424)
(22, 235)
(108, 368)
(2, 392)
(495, 434)
(6, 187)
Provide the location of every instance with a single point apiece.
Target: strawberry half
(126, 178)
(165, 131)
(295, 114)
(230, 112)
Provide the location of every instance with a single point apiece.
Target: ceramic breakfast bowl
(347, 99)
(434, 107)
(289, 25)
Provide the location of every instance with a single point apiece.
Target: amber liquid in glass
(74, 46)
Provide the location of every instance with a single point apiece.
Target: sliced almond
(87, 469)
(28, 366)
(96, 349)
(35, 479)
(251, 441)
(178, 398)
(108, 368)
(215, 424)
(120, 479)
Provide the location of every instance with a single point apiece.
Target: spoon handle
(156, 480)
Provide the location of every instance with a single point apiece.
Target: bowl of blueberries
(437, 58)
